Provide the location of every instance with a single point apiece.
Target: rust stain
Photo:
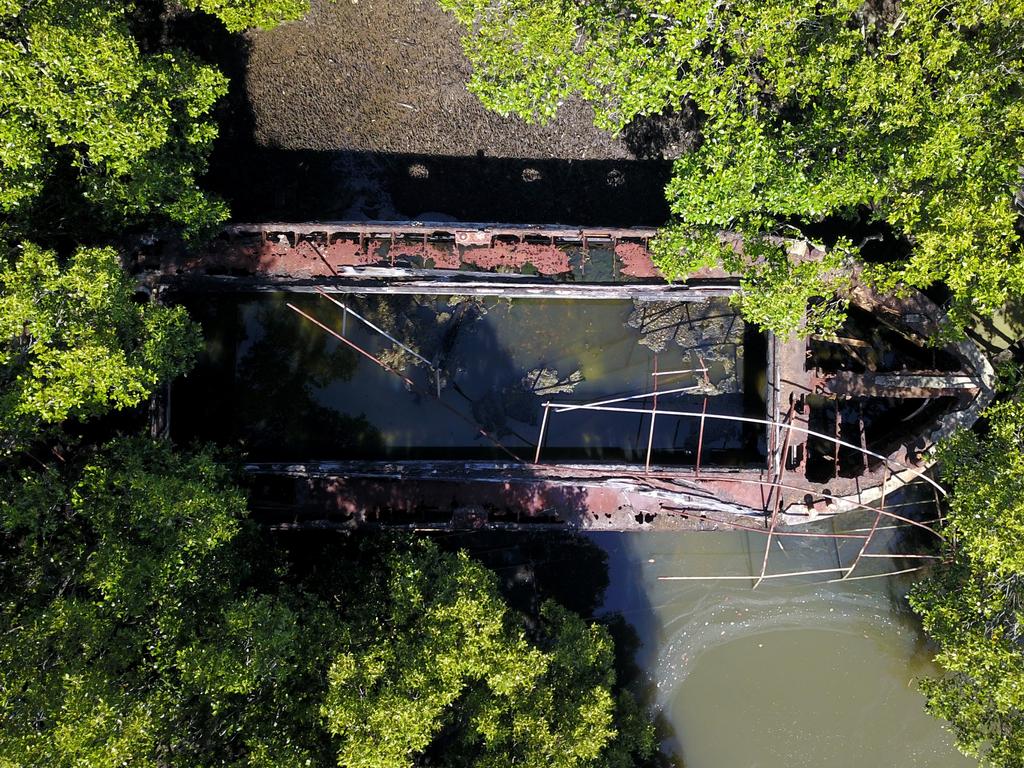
(636, 260)
(546, 259)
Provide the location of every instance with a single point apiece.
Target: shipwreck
(438, 375)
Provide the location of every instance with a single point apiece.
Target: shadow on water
(627, 611)
(274, 385)
(534, 567)
(259, 390)
(268, 184)
(572, 570)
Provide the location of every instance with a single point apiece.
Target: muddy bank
(360, 111)
(390, 77)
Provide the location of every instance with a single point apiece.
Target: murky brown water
(789, 675)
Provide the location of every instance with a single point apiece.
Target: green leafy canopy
(974, 609)
(144, 621)
(448, 657)
(89, 120)
(130, 635)
(238, 15)
(74, 342)
(910, 111)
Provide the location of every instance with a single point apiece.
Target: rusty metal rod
(877, 575)
(776, 461)
(863, 435)
(838, 428)
(654, 411)
(751, 420)
(894, 527)
(408, 381)
(540, 438)
(874, 527)
(357, 348)
(700, 437)
(706, 578)
(763, 531)
(769, 576)
(381, 331)
(743, 480)
(641, 396)
(320, 253)
(684, 370)
(867, 542)
(909, 503)
(775, 509)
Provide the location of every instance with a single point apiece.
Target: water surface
(793, 674)
(473, 371)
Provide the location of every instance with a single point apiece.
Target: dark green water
(282, 388)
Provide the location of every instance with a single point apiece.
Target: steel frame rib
(540, 438)
(838, 428)
(867, 543)
(776, 455)
(748, 578)
(584, 406)
(840, 580)
(654, 414)
(910, 503)
(750, 420)
(894, 527)
(871, 533)
(700, 438)
(681, 372)
(876, 575)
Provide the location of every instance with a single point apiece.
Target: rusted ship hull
(818, 413)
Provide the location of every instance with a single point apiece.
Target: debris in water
(546, 381)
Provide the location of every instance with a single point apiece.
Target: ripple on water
(785, 676)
